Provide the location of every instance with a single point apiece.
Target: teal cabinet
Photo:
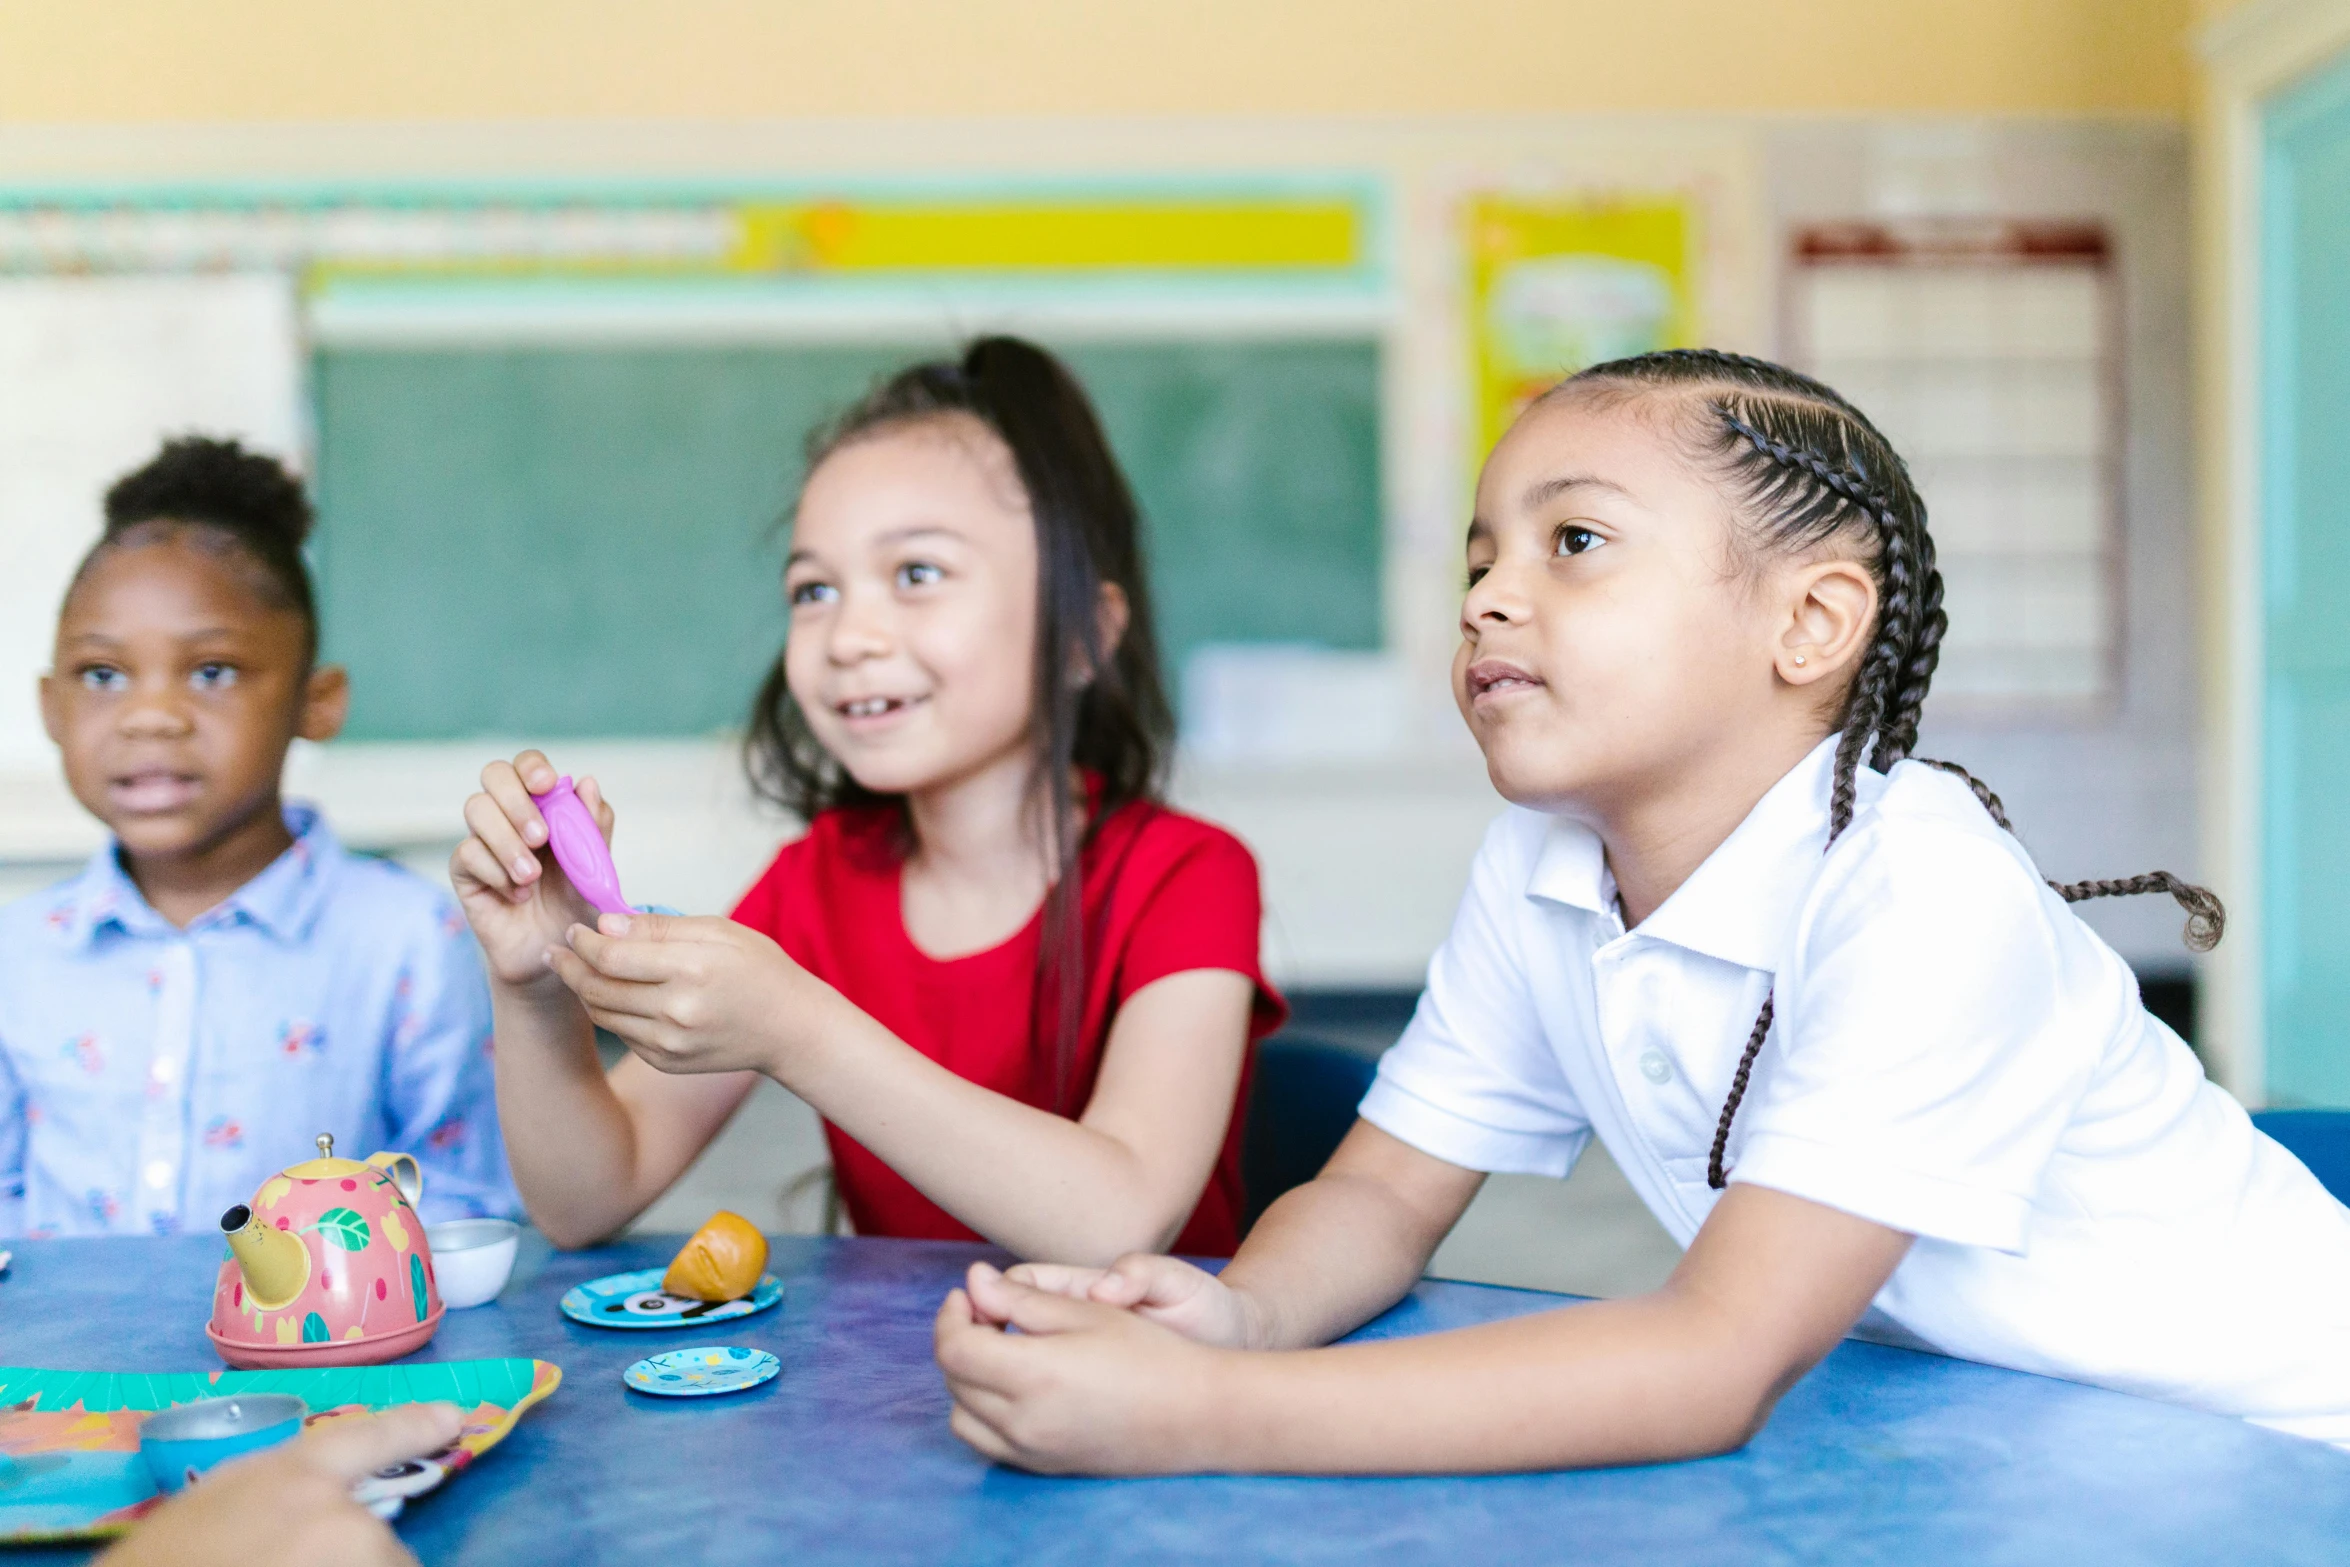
(2305, 528)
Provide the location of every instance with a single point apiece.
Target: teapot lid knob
(326, 1145)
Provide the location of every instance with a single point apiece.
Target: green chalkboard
(559, 542)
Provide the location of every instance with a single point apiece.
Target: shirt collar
(1571, 868)
(283, 899)
(1740, 904)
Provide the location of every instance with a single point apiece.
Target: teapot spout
(275, 1263)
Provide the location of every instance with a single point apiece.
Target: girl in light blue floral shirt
(223, 981)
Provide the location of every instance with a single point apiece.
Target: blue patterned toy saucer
(700, 1372)
(636, 1300)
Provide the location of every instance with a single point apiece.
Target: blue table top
(1880, 1455)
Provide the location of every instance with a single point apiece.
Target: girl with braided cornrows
(1852, 1050)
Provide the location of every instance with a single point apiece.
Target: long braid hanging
(1883, 701)
(1803, 496)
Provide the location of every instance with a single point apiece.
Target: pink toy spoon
(579, 847)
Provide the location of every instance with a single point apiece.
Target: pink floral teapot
(327, 1266)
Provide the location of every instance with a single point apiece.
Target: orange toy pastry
(723, 1261)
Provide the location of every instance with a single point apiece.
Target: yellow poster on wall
(1556, 284)
(1267, 235)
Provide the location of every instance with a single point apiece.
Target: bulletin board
(1990, 353)
(1559, 283)
(558, 541)
(575, 534)
(1320, 229)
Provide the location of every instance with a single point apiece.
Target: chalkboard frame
(455, 593)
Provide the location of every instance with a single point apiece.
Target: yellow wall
(2208, 11)
(84, 61)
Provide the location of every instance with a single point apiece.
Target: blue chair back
(2318, 1138)
(1299, 1109)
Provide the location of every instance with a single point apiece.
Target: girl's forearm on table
(1614, 1382)
(1770, 1284)
(1328, 1257)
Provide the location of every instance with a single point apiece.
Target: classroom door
(2305, 479)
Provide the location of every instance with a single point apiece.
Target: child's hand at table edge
(1165, 1290)
(514, 895)
(1082, 1388)
(291, 1505)
(687, 993)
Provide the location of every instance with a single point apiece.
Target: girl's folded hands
(1082, 1387)
(1165, 1290)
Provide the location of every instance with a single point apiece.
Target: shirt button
(1655, 1067)
(165, 1069)
(158, 1172)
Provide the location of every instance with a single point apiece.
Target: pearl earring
(1799, 661)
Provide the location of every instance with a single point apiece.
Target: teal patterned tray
(69, 1440)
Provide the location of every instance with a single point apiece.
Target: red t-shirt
(1162, 893)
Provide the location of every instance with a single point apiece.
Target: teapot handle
(409, 1181)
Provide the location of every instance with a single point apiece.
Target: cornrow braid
(1754, 1044)
(1982, 790)
(2207, 917)
(1806, 466)
(1871, 709)
(1901, 733)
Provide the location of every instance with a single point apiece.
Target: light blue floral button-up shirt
(152, 1077)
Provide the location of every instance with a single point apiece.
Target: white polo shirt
(1954, 1054)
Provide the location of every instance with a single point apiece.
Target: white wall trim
(2248, 58)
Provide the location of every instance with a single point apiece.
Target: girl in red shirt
(1020, 990)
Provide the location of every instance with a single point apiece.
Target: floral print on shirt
(332, 993)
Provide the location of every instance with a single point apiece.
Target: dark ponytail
(1099, 709)
(1805, 467)
(241, 500)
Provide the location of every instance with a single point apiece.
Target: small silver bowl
(183, 1441)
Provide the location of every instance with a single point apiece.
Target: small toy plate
(636, 1300)
(698, 1373)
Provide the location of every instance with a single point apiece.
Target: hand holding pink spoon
(579, 847)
